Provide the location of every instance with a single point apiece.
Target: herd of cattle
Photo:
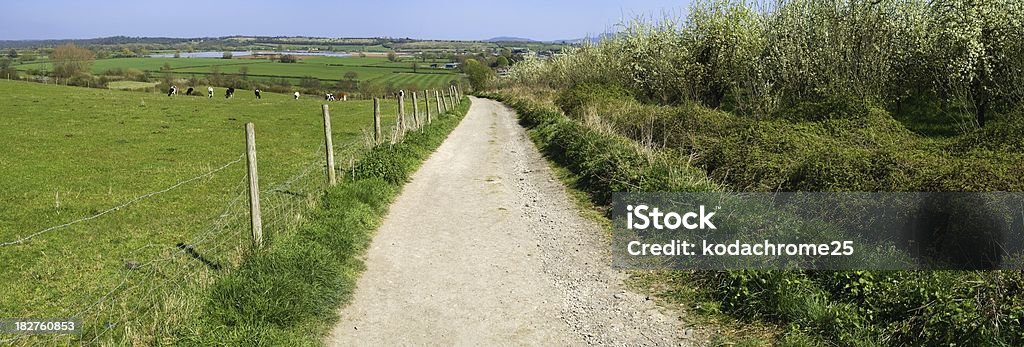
(228, 93)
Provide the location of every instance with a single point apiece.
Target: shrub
(288, 59)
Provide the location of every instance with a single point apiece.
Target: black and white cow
(229, 93)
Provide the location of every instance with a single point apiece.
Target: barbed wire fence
(150, 284)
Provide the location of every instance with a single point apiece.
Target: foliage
(288, 59)
(70, 60)
(501, 62)
(7, 71)
(756, 59)
(310, 84)
(479, 74)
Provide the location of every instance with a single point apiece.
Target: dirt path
(483, 247)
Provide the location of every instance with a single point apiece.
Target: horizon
(459, 21)
(303, 36)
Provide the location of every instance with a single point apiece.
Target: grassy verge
(853, 308)
(695, 308)
(288, 293)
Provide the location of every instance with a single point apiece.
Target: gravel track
(484, 247)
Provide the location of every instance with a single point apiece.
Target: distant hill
(591, 39)
(509, 39)
(113, 40)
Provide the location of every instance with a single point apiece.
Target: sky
(456, 19)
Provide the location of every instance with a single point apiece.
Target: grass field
(177, 163)
(328, 69)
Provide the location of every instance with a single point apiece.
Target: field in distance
(404, 73)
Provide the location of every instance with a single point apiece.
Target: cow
(330, 97)
(209, 90)
(230, 92)
(296, 95)
(189, 91)
(258, 96)
(173, 91)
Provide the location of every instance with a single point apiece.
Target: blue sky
(458, 19)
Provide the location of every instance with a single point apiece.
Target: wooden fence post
(415, 112)
(426, 99)
(437, 97)
(256, 222)
(451, 95)
(401, 110)
(444, 100)
(331, 178)
(376, 121)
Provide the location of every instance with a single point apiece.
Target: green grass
(148, 64)
(327, 69)
(73, 156)
(288, 294)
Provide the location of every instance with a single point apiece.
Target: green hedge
(833, 144)
(288, 293)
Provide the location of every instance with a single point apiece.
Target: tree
(979, 42)
(228, 55)
(415, 67)
(13, 54)
(7, 71)
(310, 83)
(392, 56)
(479, 74)
(244, 71)
(288, 58)
(177, 54)
(351, 76)
(215, 77)
(70, 60)
(166, 67)
(502, 62)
